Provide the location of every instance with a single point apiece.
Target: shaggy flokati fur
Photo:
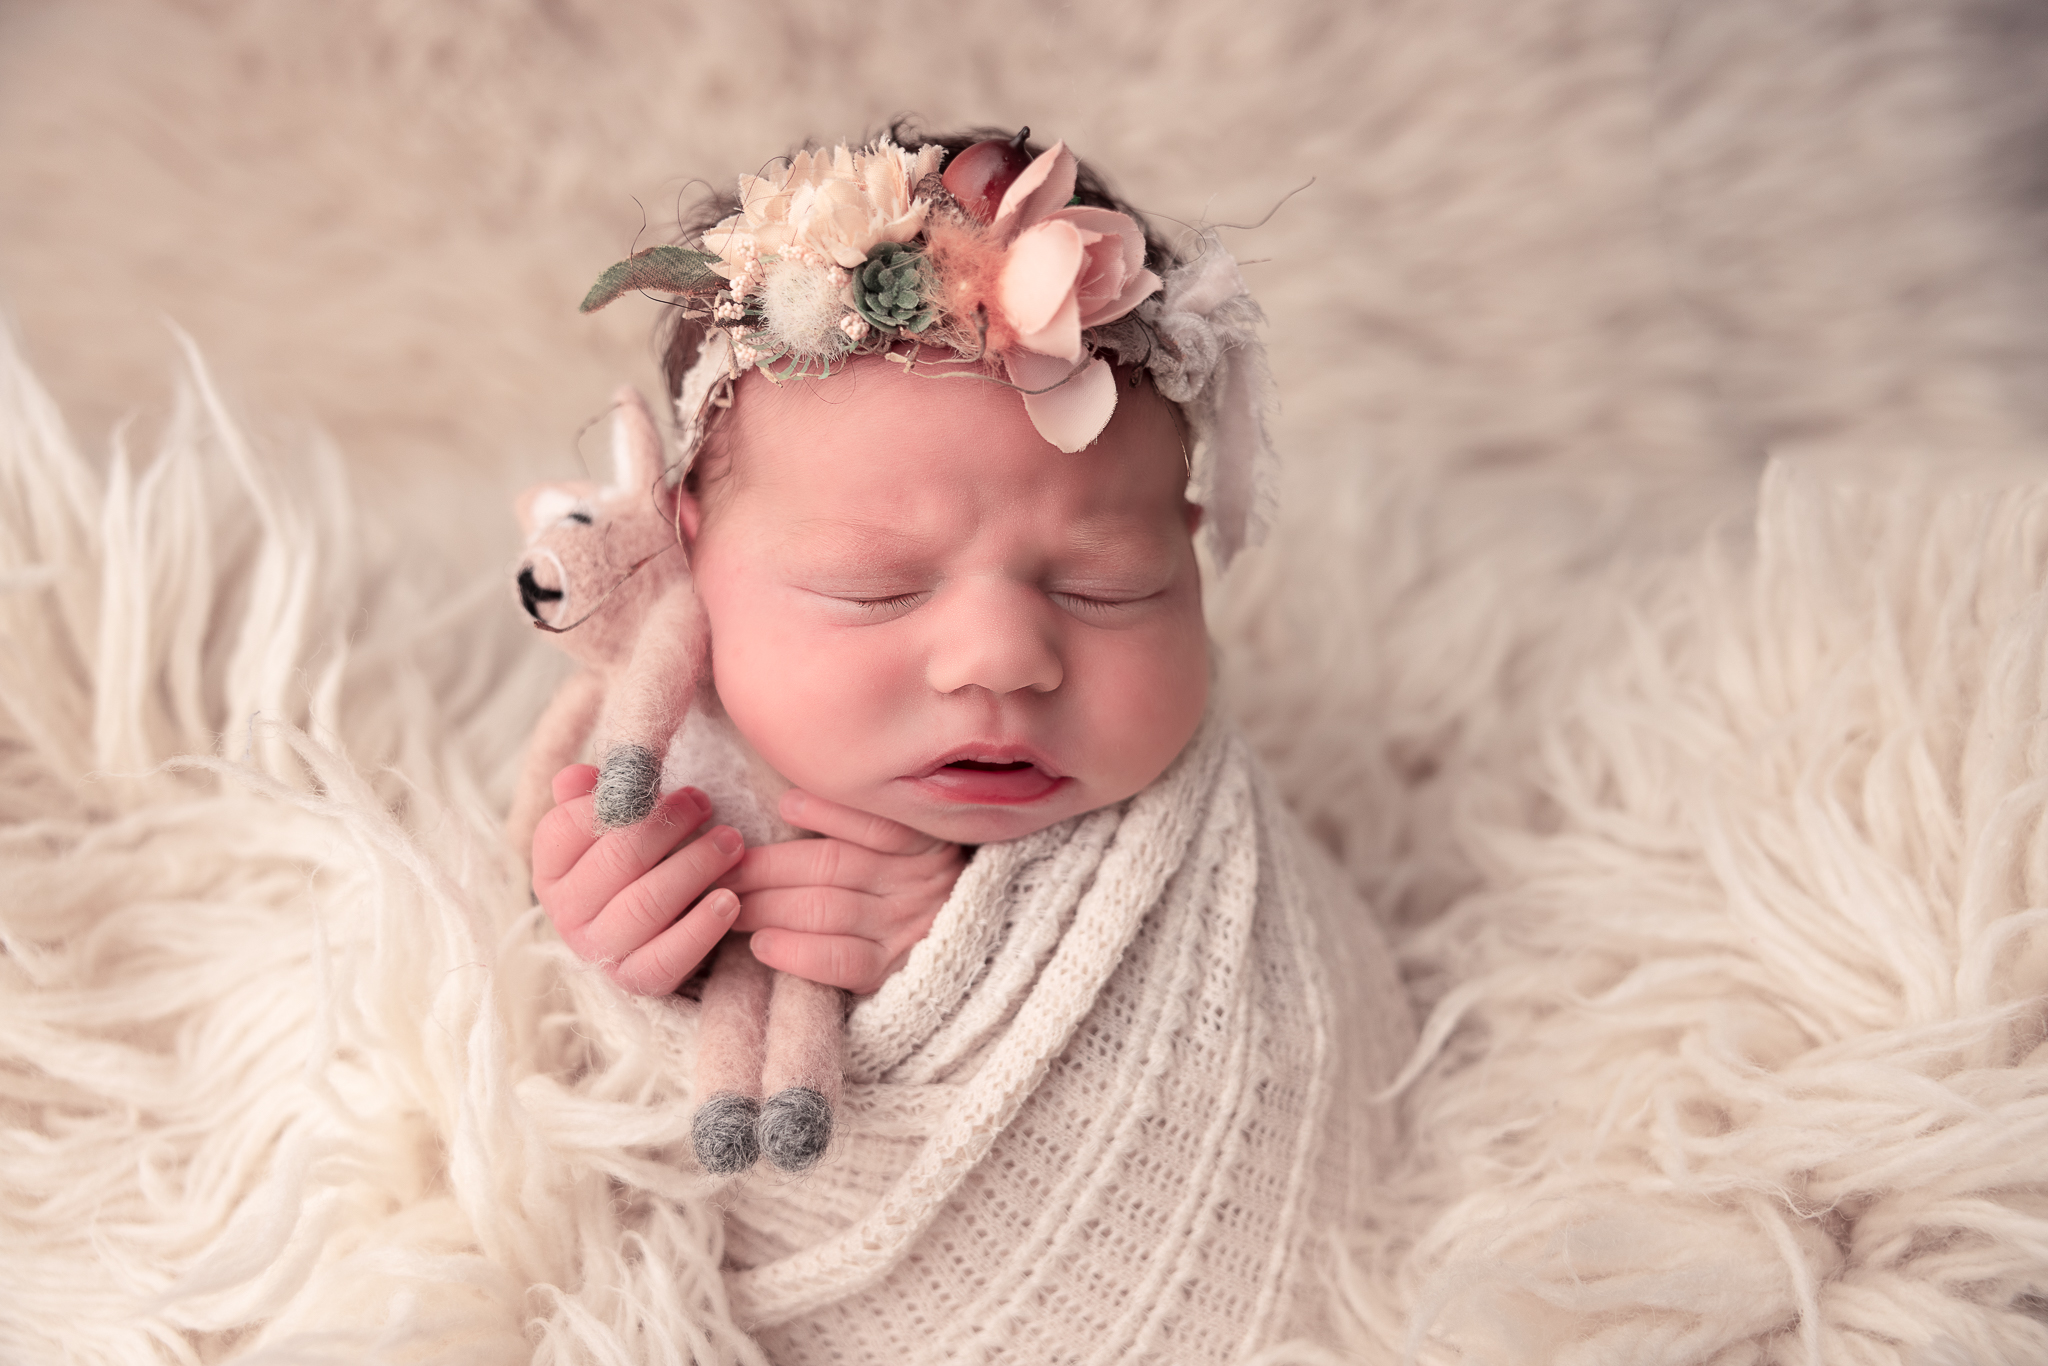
(1772, 985)
(1737, 1058)
(288, 1059)
(1706, 814)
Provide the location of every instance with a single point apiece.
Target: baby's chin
(986, 827)
(985, 822)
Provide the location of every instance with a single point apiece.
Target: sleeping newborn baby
(1106, 1078)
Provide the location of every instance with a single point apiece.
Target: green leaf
(677, 270)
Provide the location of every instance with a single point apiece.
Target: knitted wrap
(1091, 1118)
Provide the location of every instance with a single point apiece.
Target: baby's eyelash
(1079, 604)
(1093, 604)
(892, 604)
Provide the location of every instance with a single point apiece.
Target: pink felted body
(605, 571)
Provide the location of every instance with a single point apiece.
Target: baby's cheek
(817, 704)
(1148, 699)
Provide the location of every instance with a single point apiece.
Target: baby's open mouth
(989, 782)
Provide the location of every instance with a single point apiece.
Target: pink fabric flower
(1066, 269)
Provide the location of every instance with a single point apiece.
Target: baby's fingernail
(726, 903)
(690, 796)
(727, 839)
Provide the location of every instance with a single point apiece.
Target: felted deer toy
(605, 573)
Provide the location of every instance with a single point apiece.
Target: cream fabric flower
(837, 205)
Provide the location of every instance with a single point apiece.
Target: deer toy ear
(637, 449)
(543, 505)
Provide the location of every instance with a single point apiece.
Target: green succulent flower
(889, 289)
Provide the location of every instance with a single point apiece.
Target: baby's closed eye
(857, 598)
(1102, 598)
(1100, 603)
(1101, 590)
(1102, 586)
(889, 604)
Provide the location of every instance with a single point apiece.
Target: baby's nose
(1001, 636)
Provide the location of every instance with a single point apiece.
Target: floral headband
(873, 251)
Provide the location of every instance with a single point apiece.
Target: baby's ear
(683, 509)
(637, 449)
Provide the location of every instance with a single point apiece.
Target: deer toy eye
(532, 594)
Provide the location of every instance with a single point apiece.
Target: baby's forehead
(866, 390)
(932, 421)
(866, 538)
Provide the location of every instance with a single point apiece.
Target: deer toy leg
(802, 1072)
(646, 705)
(731, 1035)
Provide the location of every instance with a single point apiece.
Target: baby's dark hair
(678, 338)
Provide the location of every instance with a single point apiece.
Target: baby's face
(923, 610)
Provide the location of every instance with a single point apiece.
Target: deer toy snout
(537, 595)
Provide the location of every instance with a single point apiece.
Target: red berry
(980, 175)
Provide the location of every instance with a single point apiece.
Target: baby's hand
(845, 910)
(619, 900)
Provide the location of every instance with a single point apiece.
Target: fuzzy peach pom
(970, 261)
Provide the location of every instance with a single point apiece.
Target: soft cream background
(1569, 272)
(1718, 844)
(1608, 232)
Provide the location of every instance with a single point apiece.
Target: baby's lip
(989, 758)
(989, 775)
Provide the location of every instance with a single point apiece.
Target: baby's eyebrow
(853, 538)
(1112, 539)
(1110, 544)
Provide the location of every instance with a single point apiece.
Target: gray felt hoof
(628, 786)
(796, 1126)
(723, 1134)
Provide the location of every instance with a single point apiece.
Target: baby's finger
(837, 960)
(806, 863)
(660, 965)
(577, 780)
(806, 910)
(808, 811)
(647, 906)
(617, 860)
(561, 840)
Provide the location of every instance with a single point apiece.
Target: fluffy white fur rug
(1735, 1055)
(1709, 818)
(1742, 1038)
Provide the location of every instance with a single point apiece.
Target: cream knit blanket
(1091, 1118)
